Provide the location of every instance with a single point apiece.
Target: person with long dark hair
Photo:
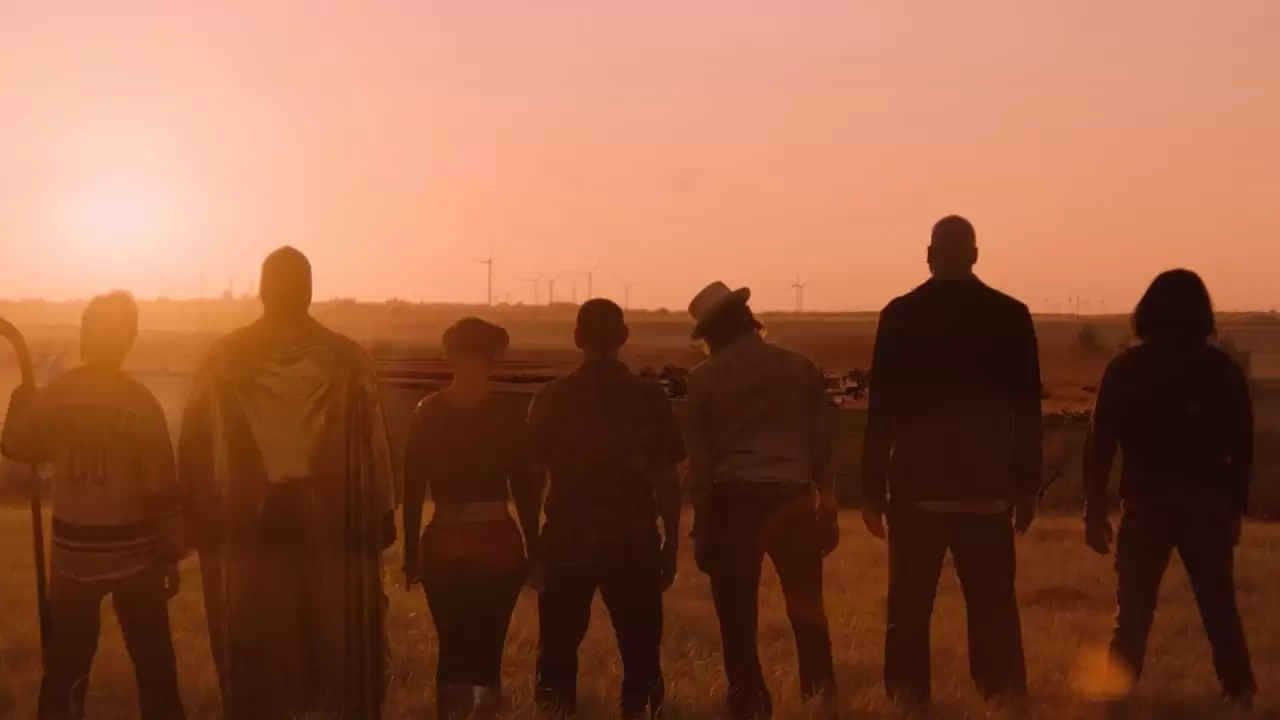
(472, 451)
(1177, 408)
(763, 485)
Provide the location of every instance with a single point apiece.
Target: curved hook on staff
(10, 333)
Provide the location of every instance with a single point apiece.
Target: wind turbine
(537, 287)
(591, 272)
(626, 295)
(799, 288)
(489, 263)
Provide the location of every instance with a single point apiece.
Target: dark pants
(742, 527)
(471, 619)
(141, 605)
(1205, 541)
(633, 596)
(983, 552)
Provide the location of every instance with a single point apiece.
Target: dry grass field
(1065, 590)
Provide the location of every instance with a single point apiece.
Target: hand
(537, 577)
(1098, 534)
(670, 565)
(172, 581)
(873, 518)
(1024, 513)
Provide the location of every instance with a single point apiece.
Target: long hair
(730, 324)
(1175, 310)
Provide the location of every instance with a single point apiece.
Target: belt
(466, 513)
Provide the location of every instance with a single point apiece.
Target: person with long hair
(471, 449)
(763, 485)
(1177, 408)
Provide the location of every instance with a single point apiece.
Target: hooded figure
(285, 458)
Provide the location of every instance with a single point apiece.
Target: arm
(416, 476)
(1102, 442)
(1028, 436)
(25, 427)
(697, 434)
(1241, 438)
(528, 484)
(877, 439)
(665, 458)
(824, 476)
(161, 493)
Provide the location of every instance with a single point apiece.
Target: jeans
(633, 596)
(982, 548)
(743, 526)
(141, 605)
(1204, 540)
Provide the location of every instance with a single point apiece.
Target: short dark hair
(729, 324)
(953, 230)
(1175, 309)
(473, 337)
(601, 325)
(286, 282)
(109, 328)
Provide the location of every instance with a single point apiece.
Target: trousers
(744, 525)
(1205, 541)
(633, 596)
(982, 547)
(471, 618)
(141, 605)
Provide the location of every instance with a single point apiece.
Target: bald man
(951, 457)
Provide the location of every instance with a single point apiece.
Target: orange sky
(144, 143)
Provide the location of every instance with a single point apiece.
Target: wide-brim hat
(713, 300)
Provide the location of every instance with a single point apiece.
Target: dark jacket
(1183, 421)
(955, 398)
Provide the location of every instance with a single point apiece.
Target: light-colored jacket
(758, 413)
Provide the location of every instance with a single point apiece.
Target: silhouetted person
(762, 480)
(610, 443)
(285, 457)
(952, 455)
(1178, 410)
(117, 513)
(474, 453)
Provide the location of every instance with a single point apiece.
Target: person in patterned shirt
(610, 443)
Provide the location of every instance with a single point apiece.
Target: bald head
(286, 283)
(953, 248)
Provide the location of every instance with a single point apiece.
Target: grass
(1066, 596)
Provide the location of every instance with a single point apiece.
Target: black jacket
(1183, 421)
(955, 398)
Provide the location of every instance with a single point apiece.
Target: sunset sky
(145, 143)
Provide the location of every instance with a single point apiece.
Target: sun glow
(121, 229)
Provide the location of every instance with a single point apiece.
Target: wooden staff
(15, 338)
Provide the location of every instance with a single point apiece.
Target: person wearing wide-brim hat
(761, 473)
